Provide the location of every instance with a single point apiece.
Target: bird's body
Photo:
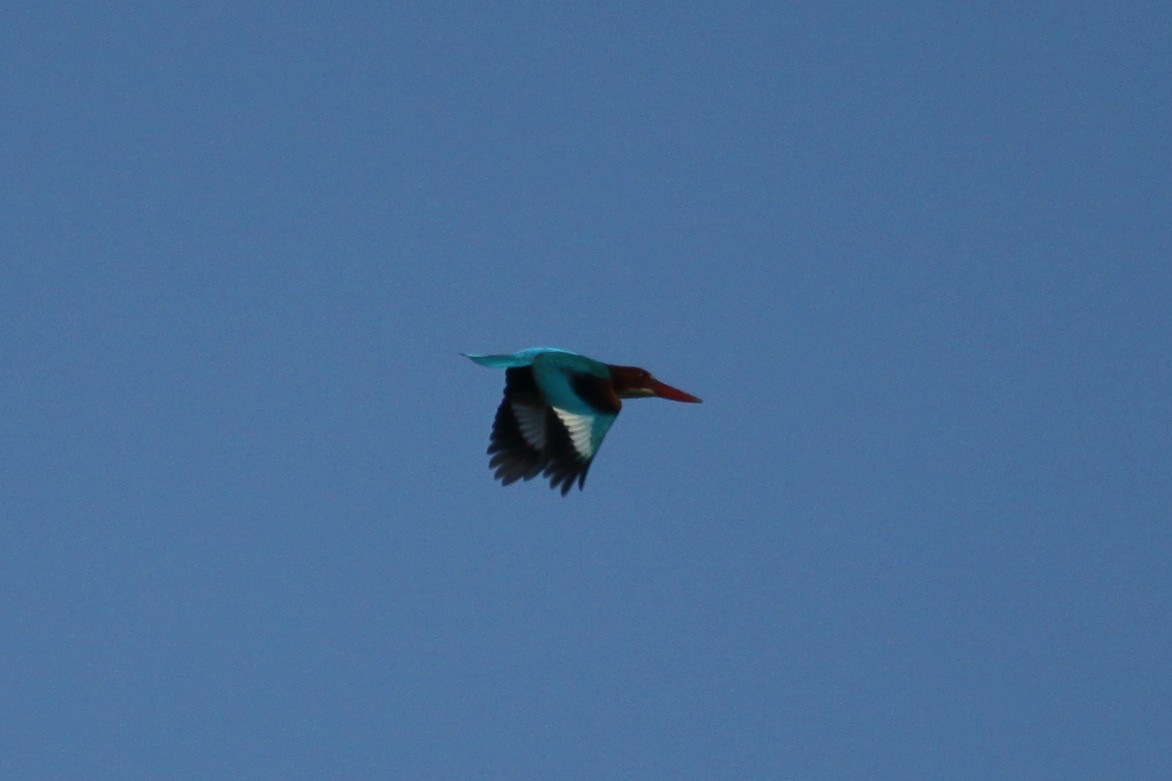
(557, 408)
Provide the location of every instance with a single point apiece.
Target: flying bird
(557, 408)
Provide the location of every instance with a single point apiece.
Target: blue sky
(914, 258)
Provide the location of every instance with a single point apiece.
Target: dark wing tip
(567, 479)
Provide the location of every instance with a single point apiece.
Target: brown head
(631, 382)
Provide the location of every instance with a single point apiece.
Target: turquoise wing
(514, 360)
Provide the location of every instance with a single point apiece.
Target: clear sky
(916, 258)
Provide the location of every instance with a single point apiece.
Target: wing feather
(518, 441)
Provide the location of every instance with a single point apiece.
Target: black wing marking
(515, 457)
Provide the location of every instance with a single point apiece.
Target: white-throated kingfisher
(557, 408)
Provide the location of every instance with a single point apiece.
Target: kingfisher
(557, 408)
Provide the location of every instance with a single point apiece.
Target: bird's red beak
(665, 391)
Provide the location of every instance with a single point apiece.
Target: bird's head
(631, 382)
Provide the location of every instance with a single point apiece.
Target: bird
(556, 410)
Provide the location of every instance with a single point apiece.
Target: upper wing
(581, 394)
(509, 360)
